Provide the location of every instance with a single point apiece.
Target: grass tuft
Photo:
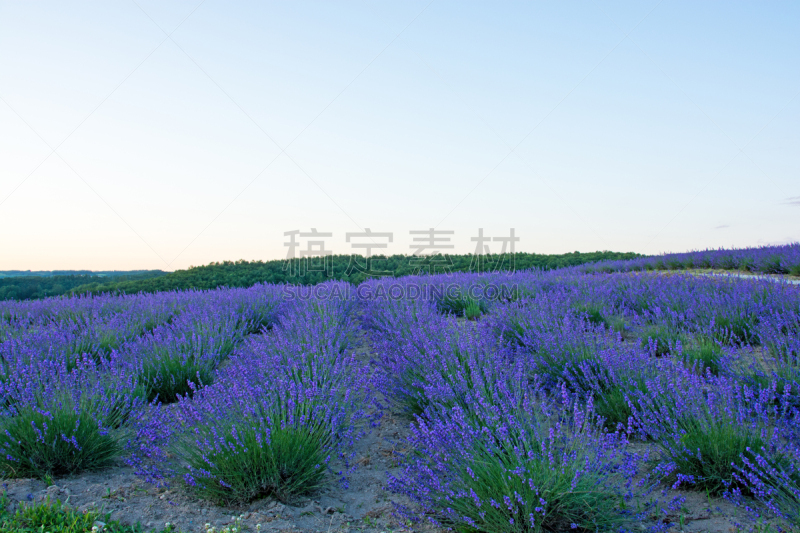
(55, 517)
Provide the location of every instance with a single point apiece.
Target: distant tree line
(340, 267)
(96, 273)
(354, 269)
(34, 287)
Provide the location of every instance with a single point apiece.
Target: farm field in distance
(604, 396)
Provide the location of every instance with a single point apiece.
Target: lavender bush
(258, 441)
(56, 421)
(531, 469)
(773, 482)
(706, 426)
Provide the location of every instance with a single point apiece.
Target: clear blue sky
(189, 132)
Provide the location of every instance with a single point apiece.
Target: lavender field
(581, 399)
(783, 259)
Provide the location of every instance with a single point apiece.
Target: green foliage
(14, 286)
(185, 363)
(175, 375)
(514, 333)
(593, 313)
(674, 264)
(612, 393)
(96, 346)
(34, 287)
(705, 439)
(54, 517)
(558, 491)
(474, 310)
(711, 453)
(517, 293)
(704, 354)
(51, 517)
(58, 442)
(248, 273)
(612, 404)
(660, 338)
(462, 305)
(774, 265)
(284, 462)
(619, 324)
(108, 341)
(740, 329)
(763, 374)
(554, 365)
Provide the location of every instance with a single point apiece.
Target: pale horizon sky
(159, 135)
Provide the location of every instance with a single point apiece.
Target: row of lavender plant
(784, 259)
(722, 404)
(703, 369)
(73, 380)
(492, 449)
(280, 420)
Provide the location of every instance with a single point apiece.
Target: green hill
(26, 285)
(341, 267)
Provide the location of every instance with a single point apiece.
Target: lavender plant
(538, 468)
(175, 364)
(593, 313)
(773, 482)
(57, 422)
(461, 304)
(177, 359)
(258, 444)
(705, 427)
(61, 440)
(704, 354)
(443, 364)
(613, 381)
(549, 336)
